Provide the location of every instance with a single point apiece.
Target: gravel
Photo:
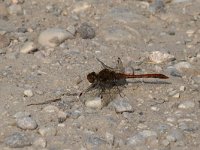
(47, 48)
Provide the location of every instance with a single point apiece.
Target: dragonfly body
(107, 75)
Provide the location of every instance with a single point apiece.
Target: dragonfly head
(92, 77)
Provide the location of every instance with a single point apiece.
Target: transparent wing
(119, 66)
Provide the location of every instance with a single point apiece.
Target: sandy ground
(163, 115)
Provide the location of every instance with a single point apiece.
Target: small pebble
(86, 31)
(28, 47)
(190, 33)
(148, 133)
(172, 93)
(75, 114)
(28, 93)
(196, 79)
(51, 109)
(182, 65)
(81, 6)
(188, 126)
(109, 138)
(62, 116)
(173, 71)
(71, 29)
(186, 105)
(53, 37)
(160, 57)
(155, 108)
(96, 103)
(141, 137)
(177, 95)
(136, 140)
(18, 140)
(94, 140)
(122, 105)
(47, 131)
(157, 6)
(165, 142)
(175, 135)
(4, 41)
(162, 128)
(26, 123)
(182, 88)
(40, 142)
(171, 138)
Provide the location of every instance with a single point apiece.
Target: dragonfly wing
(119, 66)
(105, 66)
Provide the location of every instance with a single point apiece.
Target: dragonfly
(109, 77)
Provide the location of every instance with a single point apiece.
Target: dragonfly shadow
(149, 82)
(107, 92)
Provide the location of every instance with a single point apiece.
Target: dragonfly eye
(92, 77)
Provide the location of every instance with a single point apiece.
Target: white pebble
(155, 108)
(28, 47)
(186, 105)
(182, 88)
(177, 95)
(96, 103)
(81, 7)
(51, 109)
(28, 93)
(159, 57)
(53, 37)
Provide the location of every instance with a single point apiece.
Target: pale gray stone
(121, 105)
(18, 140)
(182, 65)
(28, 47)
(40, 142)
(47, 131)
(26, 123)
(186, 104)
(53, 37)
(173, 71)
